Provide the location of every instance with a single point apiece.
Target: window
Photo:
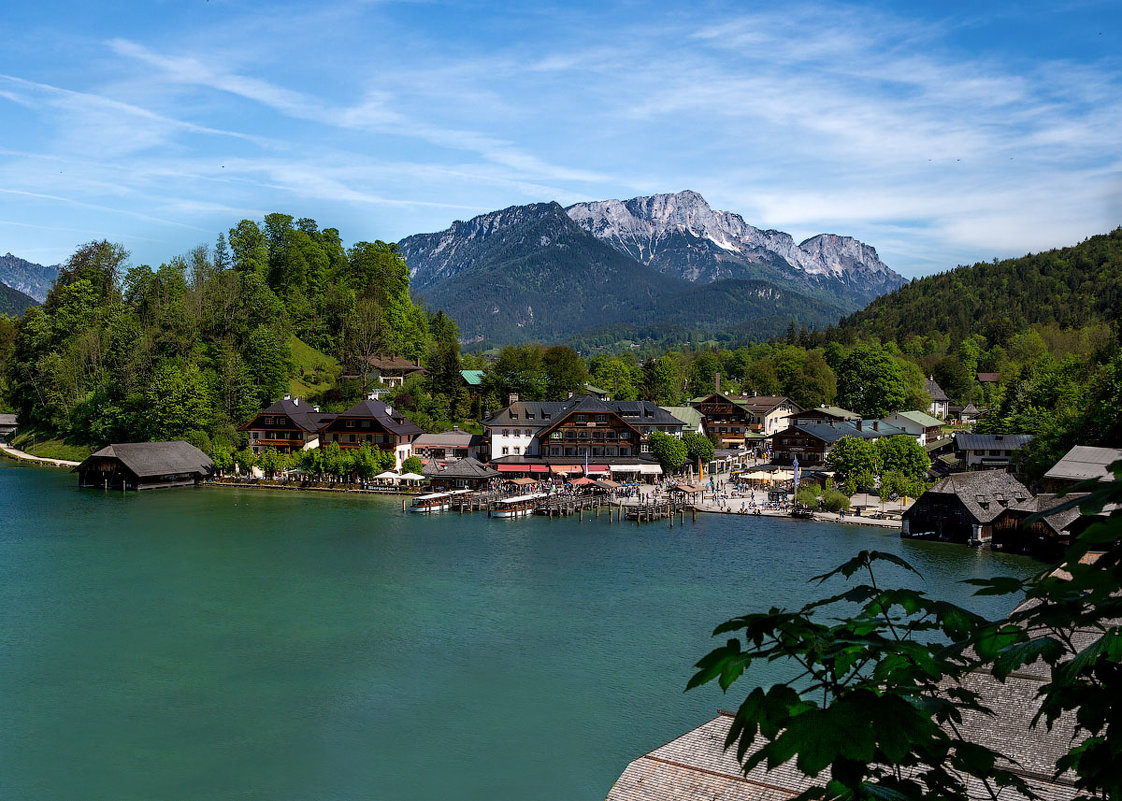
(506, 432)
(601, 418)
(556, 435)
(529, 432)
(352, 438)
(350, 424)
(581, 418)
(529, 415)
(545, 415)
(625, 435)
(554, 451)
(506, 451)
(625, 451)
(517, 450)
(513, 415)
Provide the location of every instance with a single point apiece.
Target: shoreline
(23, 456)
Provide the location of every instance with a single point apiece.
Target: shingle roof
(1058, 521)
(467, 467)
(634, 412)
(985, 442)
(931, 386)
(989, 378)
(392, 363)
(985, 493)
(8, 420)
(1084, 462)
(146, 459)
(831, 411)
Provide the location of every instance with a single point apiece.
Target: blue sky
(939, 133)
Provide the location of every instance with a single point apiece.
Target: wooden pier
(595, 506)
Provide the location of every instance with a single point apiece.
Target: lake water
(237, 644)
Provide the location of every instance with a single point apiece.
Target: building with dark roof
(466, 473)
(449, 445)
(580, 426)
(730, 420)
(287, 426)
(1082, 463)
(1042, 525)
(811, 442)
(144, 465)
(989, 451)
(939, 401)
(8, 425)
(393, 370)
(963, 506)
(371, 422)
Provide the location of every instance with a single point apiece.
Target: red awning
(597, 468)
(512, 468)
(565, 468)
(539, 468)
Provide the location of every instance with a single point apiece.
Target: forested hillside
(13, 302)
(194, 347)
(1066, 288)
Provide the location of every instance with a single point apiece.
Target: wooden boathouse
(144, 465)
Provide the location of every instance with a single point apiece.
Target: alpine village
(477, 372)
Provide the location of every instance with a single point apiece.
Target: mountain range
(543, 272)
(31, 279)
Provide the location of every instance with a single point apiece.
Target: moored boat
(433, 502)
(517, 506)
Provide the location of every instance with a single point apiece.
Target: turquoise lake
(218, 643)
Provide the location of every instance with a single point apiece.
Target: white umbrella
(411, 477)
(387, 474)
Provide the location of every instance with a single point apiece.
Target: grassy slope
(29, 442)
(320, 370)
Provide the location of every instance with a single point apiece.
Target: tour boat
(434, 502)
(518, 506)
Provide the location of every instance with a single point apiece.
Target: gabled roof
(922, 418)
(832, 433)
(393, 363)
(594, 390)
(8, 420)
(541, 410)
(984, 493)
(980, 442)
(301, 414)
(989, 378)
(546, 413)
(762, 404)
(147, 459)
(467, 467)
(1084, 462)
(1058, 521)
(931, 386)
(395, 423)
(473, 378)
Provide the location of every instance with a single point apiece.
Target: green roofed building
(473, 378)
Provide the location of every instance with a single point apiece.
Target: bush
(835, 501)
(808, 496)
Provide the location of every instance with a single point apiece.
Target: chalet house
(989, 451)
(144, 465)
(449, 446)
(964, 506)
(1081, 463)
(8, 425)
(923, 427)
(730, 420)
(473, 380)
(466, 473)
(989, 378)
(373, 423)
(545, 436)
(811, 442)
(596, 392)
(939, 401)
(724, 420)
(287, 426)
(393, 370)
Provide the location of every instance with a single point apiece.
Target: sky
(939, 133)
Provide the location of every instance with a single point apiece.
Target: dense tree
(670, 451)
(699, 447)
(903, 455)
(565, 372)
(870, 382)
(855, 461)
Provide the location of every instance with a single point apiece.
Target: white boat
(517, 506)
(433, 502)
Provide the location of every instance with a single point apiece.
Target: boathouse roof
(468, 467)
(984, 493)
(150, 459)
(986, 442)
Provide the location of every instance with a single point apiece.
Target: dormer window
(514, 415)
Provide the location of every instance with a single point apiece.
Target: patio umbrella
(387, 474)
(411, 477)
